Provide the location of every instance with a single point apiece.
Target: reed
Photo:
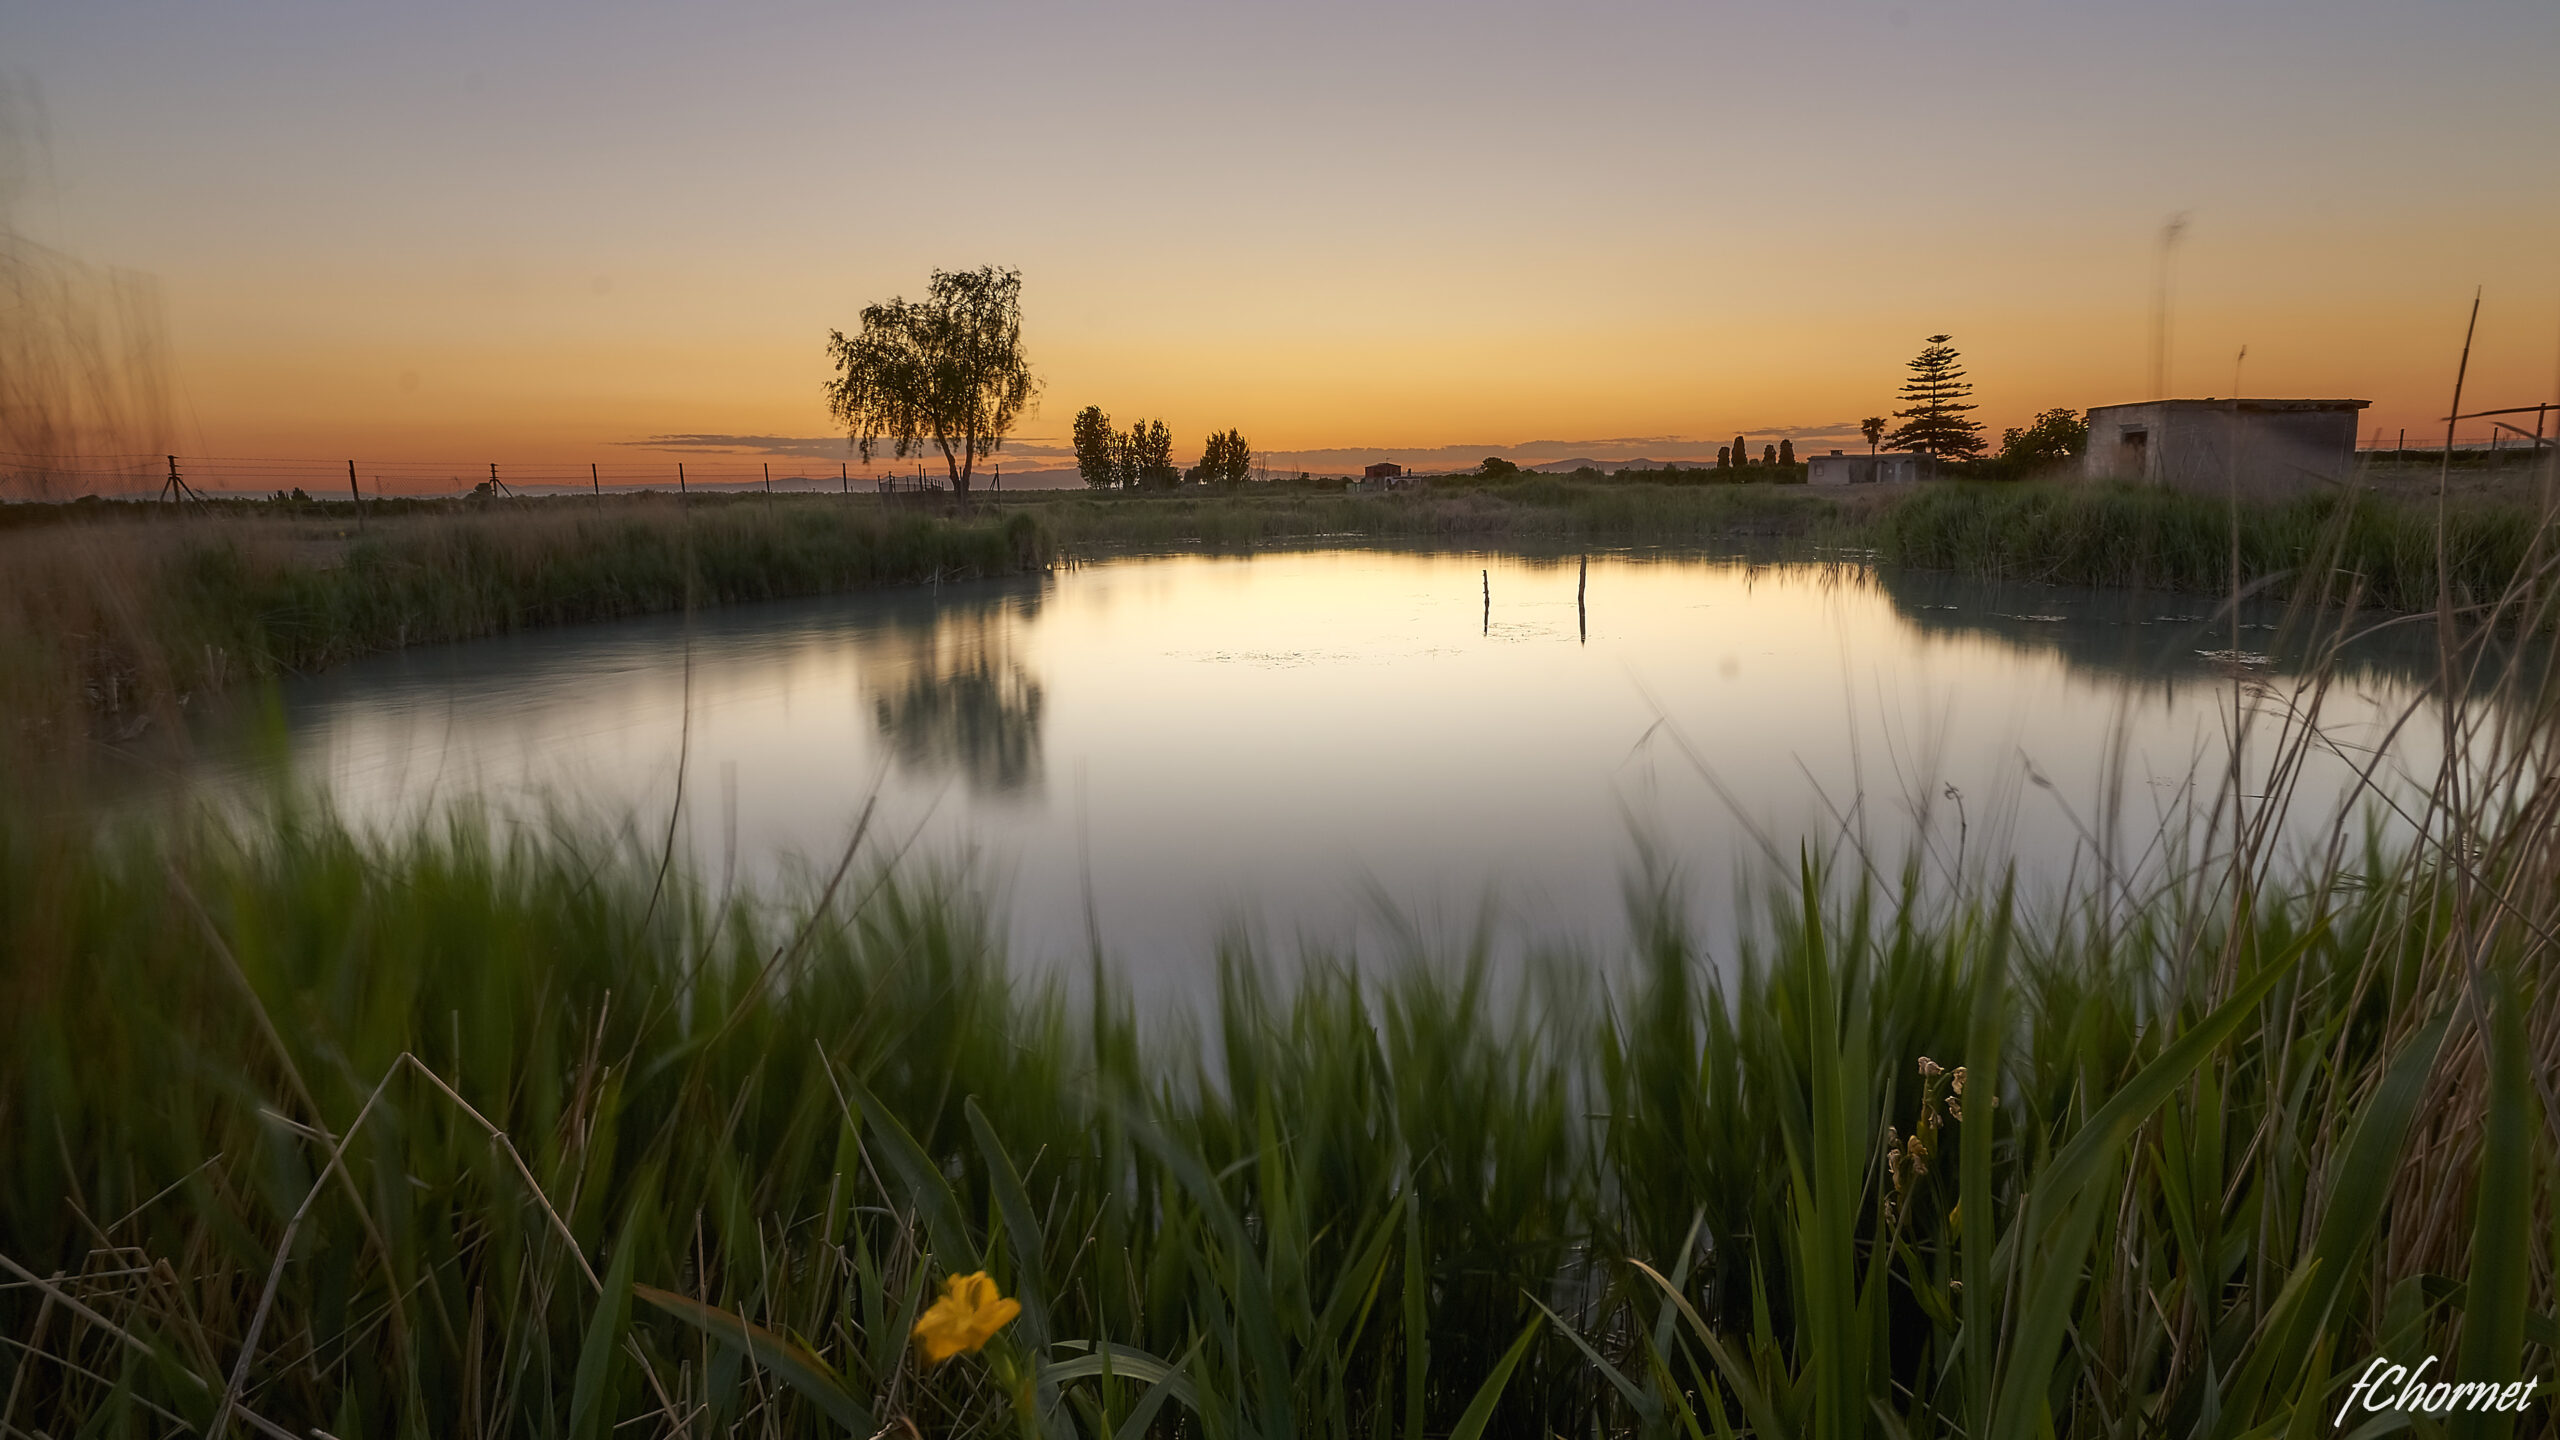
(2155, 538)
(107, 626)
(112, 618)
(470, 1130)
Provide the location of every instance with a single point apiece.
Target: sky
(562, 233)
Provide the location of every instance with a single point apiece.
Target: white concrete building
(1893, 467)
(2202, 444)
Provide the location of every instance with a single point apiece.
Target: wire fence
(178, 477)
(146, 477)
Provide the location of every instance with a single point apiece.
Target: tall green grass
(106, 626)
(109, 625)
(2202, 1168)
(1536, 509)
(470, 1131)
(2167, 539)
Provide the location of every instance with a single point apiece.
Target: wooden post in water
(1488, 602)
(1581, 587)
(359, 494)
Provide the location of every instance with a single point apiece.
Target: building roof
(2245, 404)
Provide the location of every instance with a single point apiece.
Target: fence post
(680, 480)
(844, 476)
(358, 494)
(595, 482)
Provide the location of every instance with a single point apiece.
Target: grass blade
(788, 1360)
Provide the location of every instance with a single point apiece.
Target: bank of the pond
(2380, 549)
(2379, 545)
(106, 625)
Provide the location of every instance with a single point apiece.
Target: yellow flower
(967, 1316)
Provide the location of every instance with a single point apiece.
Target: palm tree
(1873, 428)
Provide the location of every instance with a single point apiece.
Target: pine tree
(1936, 423)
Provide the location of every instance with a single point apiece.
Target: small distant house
(1892, 467)
(1384, 475)
(2205, 444)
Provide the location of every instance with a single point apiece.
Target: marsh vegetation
(437, 1130)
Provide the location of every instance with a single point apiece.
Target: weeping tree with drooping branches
(945, 373)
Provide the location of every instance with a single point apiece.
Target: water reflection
(2154, 635)
(950, 698)
(1277, 739)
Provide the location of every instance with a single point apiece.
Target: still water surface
(1318, 747)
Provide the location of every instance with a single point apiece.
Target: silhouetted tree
(1724, 457)
(1786, 452)
(1935, 422)
(1226, 459)
(1873, 428)
(1097, 448)
(1741, 452)
(1496, 468)
(1768, 454)
(1146, 456)
(947, 371)
(2049, 439)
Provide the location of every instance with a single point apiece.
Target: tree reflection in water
(949, 697)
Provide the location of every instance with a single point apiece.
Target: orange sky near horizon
(545, 236)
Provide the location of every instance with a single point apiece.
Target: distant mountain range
(1566, 467)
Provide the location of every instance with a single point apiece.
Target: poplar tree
(1741, 453)
(1097, 448)
(1938, 399)
(1146, 456)
(1226, 459)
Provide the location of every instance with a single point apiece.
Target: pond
(1333, 748)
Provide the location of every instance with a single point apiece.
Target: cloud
(1038, 450)
(822, 447)
(1545, 454)
(826, 448)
